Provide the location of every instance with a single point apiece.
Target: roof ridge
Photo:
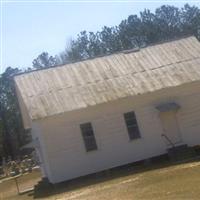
(133, 50)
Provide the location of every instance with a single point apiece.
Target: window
(132, 126)
(88, 136)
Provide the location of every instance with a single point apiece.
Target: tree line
(166, 23)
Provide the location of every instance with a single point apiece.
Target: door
(170, 127)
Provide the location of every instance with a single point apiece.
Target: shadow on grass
(44, 190)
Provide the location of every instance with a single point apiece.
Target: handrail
(167, 138)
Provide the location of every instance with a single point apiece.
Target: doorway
(170, 127)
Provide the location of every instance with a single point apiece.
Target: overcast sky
(27, 29)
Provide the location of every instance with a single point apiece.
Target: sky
(28, 28)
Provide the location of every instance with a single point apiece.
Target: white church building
(108, 111)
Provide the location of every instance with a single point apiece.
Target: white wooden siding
(64, 146)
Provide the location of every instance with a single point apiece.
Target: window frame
(88, 136)
(131, 122)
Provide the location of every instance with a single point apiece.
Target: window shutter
(88, 136)
(132, 125)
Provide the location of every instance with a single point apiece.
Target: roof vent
(131, 50)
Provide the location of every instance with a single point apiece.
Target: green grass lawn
(180, 181)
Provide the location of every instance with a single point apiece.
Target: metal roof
(79, 85)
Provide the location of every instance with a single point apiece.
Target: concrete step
(180, 152)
